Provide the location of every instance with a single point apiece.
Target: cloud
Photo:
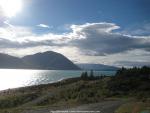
(89, 42)
(140, 29)
(43, 26)
(137, 55)
(6, 22)
(91, 38)
(2, 17)
(133, 63)
(99, 39)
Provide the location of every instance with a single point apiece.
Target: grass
(16, 100)
(70, 92)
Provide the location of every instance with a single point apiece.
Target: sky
(112, 32)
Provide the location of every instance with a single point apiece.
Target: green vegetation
(85, 76)
(131, 82)
(16, 100)
(127, 83)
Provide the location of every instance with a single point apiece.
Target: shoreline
(61, 81)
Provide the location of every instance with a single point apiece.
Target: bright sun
(10, 7)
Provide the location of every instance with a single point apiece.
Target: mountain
(7, 61)
(47, 60)
(99, 67)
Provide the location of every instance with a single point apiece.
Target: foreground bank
(129, 86)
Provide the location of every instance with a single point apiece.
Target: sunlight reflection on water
(13, 78)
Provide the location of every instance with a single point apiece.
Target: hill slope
(47, 60)
(7, 61)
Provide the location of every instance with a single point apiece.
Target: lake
(14, 78)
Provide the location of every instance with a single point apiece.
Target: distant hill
(100, 67)
(47, 60)
(7, 61)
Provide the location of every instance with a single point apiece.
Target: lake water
(14, 78)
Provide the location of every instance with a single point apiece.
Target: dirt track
(102, 107)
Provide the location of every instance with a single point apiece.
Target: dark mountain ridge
(47, 60)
